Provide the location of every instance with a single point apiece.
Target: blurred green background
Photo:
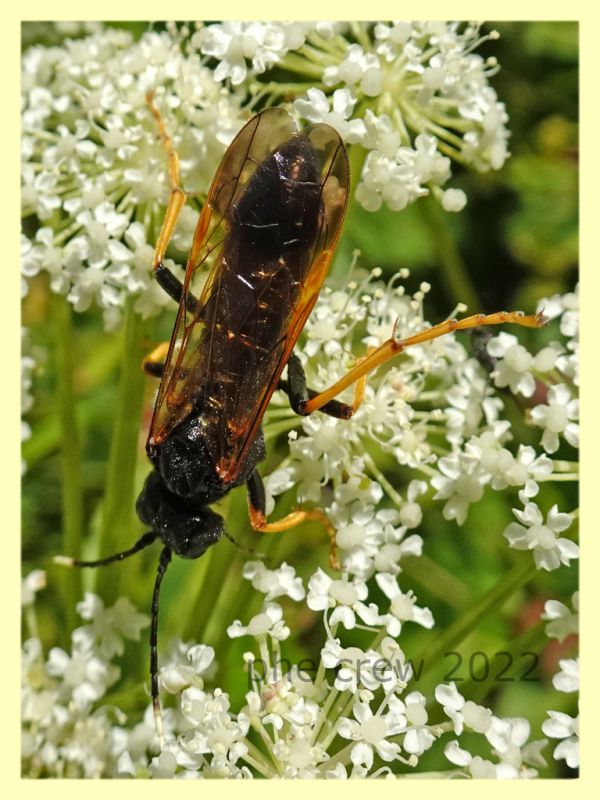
(515, 242)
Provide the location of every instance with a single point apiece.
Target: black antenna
(165, 560)
(142, 542)
(262, 556)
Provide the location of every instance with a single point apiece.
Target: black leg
(154, 368)
(173, 286)
(256, 493)
(296, 389)
(165, 559)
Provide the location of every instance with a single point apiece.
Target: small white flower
(403, 607)
(299, 755)
(562, 726)
(524, 469)
(40, 193)
(278, 482)
(357, 68)
(371, 731)
(380, 134)
(186, 666)
(392, 38)
(462, 712)
(109, 626)
(235, 43)
(164, 764)
(104, 227)
(84, 675)
(515, 363)
(478, 767)
(509, 740)
(557, 416)
(268, 623)
(411, 512)
(567, 680)
(549, 551)
(100, 282)
(70, 147)
(461, 481)
(151, 297)
(315, 108)
(125, 766)
(563, 622)
(30, 585)
(471, 402)
(454, 200)
(358, 668)
(419, 737)
(344, 597)
(274, 582)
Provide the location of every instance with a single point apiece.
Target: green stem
(342, 704)
(257, 760)
(301, 66)
(342, 756)
(437, 580)
(565, 466)
(532, 640)
(273, 429)
(561, 476)
(454, 273)
(383, 481)
(470, 618)
(324, 712)
(48, 433)
(268, 742)
(72, 499)
(218, 561)
(361, 36)
(118, 512)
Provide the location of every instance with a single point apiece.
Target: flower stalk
(70, 451)
(118, 517)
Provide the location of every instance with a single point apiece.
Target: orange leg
(394, 346)
(258, 520)
(260, 524)
(177, 197)
(154, 362)
(361, 384)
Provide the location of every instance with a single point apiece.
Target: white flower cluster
(420, 91)
(65, 733)
(359, 712)
(355, 714)
(94, 177)
(245, 49)
(31, 358)
(564, 623)
(94, 171)
(415, 95)
(456, 399)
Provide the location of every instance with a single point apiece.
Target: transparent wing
(185, 365)
(276, 212)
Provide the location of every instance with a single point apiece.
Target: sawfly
(260, 253)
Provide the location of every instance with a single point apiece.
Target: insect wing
(286, 307)
(188, 359)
